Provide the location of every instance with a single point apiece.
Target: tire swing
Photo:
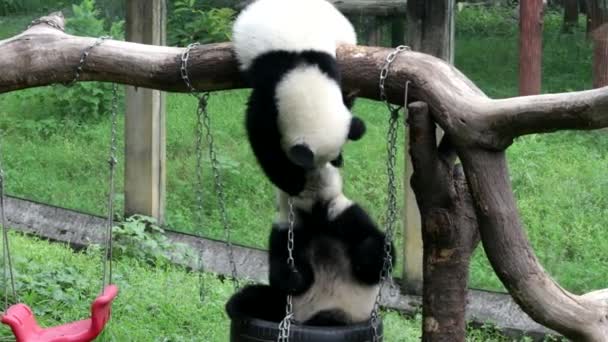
(256, 329)
(19, 316)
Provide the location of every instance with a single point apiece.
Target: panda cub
(297, 116)
(338, 254)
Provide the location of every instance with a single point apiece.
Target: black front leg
(293, 280)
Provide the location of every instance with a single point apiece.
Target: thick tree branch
(581, 318)
(43, 55)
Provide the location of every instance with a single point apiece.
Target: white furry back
(292, 25)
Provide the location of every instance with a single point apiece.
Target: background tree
(597, 28)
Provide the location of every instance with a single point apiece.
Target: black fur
(318, 236)
(357, 129)
(265, 73)
(259, 301)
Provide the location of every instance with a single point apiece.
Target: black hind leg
(258, 301)
(288, 279)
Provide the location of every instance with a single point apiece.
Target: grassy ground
(154, 304)
(559, 179)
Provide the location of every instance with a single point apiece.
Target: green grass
(559, 179)
(154, 303)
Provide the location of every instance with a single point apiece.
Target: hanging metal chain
(199, 197)
(8, 272)
(391, 162)
(384, 75)
(203, 116)
(285, 325)
(83, 58)
(112, 161)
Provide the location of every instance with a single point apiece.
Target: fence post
(430, 29)
(145, 119)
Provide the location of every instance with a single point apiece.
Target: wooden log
(380, 8)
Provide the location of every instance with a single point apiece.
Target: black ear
(349, 98)
(339, 161)
(357, 128)
(302, 156)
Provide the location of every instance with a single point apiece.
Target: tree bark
(570, 15)
(449, 229)
(530, 46)
(581, 318)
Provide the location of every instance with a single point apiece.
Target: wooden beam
(380, 8)
(145, 120)
(430, 29)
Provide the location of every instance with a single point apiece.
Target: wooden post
(145, 120)
(598, 26)
(374, 31)
(397, 31)
(530, 46)
(430, 29)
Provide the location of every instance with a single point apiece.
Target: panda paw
(339, 161)
(357, 129)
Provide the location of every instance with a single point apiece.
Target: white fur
(311, 111)
(335, 288)
(292, 25)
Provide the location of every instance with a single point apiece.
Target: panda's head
(314, 117)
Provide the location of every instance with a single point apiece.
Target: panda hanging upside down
(297, 116)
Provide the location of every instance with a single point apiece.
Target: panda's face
(312, 116)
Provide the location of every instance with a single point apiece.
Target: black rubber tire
(257, 330)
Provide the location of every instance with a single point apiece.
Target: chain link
(112, 162)
(8, 272)
(47, 22)
(83, 58)
(199, 197)
(384, 75)
(285, 325)
(391, 213)
(203, 116)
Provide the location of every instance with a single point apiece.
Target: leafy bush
(479, 21)
(83, 100)
(9, 6)
(141, 238)
(191, 24)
